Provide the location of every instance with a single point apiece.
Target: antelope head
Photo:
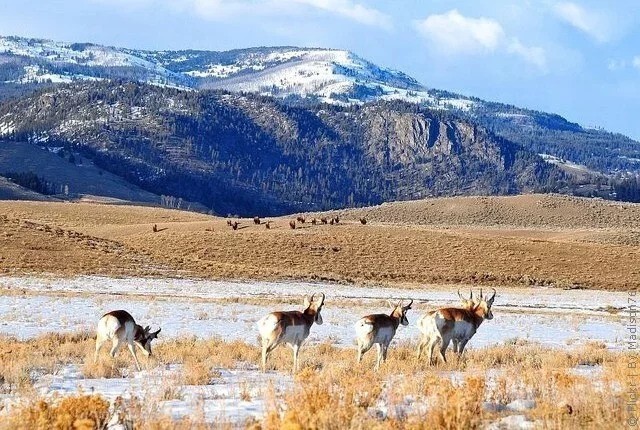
(314, 305)
(400, 312)
(146, 337)
(484, 305)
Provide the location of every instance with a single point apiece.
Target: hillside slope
(71, 239)
(248, 154)
(68, 179)
(306, 76)
(524, 211)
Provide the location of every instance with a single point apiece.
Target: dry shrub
(213, 352)
(106, 367)
(76, 412)
(19, 359)
(196, 373)
(328, 400)
(456, 407)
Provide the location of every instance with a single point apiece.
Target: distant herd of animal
(292, 224)
(437, 327)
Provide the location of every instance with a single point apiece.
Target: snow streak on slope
(328, 75)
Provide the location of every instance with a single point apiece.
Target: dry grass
(556, 241)
(76, 412)
(332, 391)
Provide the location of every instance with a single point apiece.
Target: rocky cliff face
(249, 154)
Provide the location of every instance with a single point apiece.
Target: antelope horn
(322, 298)
(470, 294)
(494, 293)
(480, 292)
(460, 295)
(409, 305)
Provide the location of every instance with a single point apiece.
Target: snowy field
(32, 306)
(203, 308)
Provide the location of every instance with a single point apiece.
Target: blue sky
(578, 58)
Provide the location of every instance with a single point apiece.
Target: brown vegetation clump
(456, 406)
(83, 412)
(332, 391)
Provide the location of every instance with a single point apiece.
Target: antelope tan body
(289, 327)
(120, 328)
(457, 325)
(379, 329)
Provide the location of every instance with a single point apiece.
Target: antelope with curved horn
(467, 304)
(290, 327)
(119, 327)
(379, 329)
(453, 324)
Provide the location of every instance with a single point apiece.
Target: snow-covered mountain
(311, 74)
(333, 76)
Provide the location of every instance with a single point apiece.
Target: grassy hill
(542, 249)
(81, 177)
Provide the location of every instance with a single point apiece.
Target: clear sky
(578, 58)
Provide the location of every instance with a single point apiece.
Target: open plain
(553, 356)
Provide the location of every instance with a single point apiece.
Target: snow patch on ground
(552, 317)
(234, 396)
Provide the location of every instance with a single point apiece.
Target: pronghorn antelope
(453, 324)
(291, 328)
(119, 327)
(467, 304)
(379, 329)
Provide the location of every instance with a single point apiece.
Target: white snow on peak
(329, 75)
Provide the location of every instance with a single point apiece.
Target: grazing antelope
(292, 225)
(453, 324)
(314, 221)
(379, 329)
(323, 220)
(337, 219)
(291, 328)
(267, 225)
(229, 222)
(256, 220)
(119, 327)
(155, 228)
(234, 225)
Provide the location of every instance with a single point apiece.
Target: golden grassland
(331, 391)
(498, 241)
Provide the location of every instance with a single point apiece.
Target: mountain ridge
(292, 104)
(244, 153)
(293, 74)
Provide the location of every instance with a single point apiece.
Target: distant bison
(292, 224)
(363, 221)
(301, 219)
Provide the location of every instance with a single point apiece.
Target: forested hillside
(250, 154)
